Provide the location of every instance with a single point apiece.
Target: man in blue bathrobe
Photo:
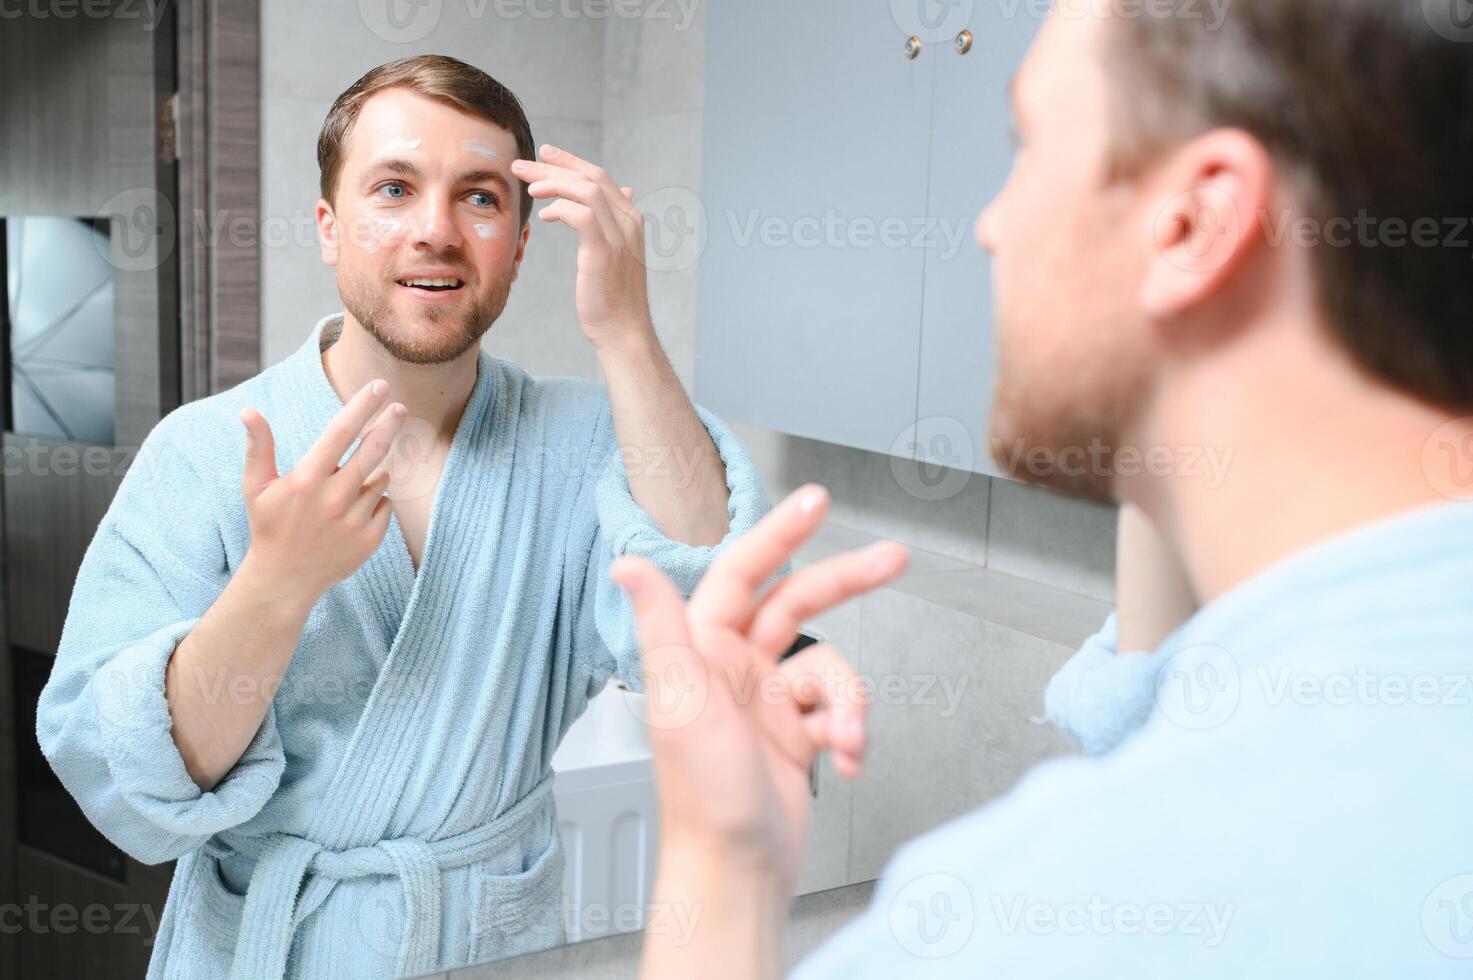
(337, 619)
(1249, 236)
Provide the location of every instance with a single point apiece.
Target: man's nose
(985, 231)
(434, 224)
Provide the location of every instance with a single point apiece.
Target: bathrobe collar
(367, 789)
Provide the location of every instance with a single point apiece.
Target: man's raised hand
(314, 526)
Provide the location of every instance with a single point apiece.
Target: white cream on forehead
(400, 143)
(481, 147)
(487, 231)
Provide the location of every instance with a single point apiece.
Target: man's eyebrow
(407, 168)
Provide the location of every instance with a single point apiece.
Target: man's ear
(516, 262)
(1216, 188)
(328, 232)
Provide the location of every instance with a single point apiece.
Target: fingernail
(548, 150)
(380, 388)
(812, 499)
(519, 165)
(631, 588)
(879, 564)
(399, 410)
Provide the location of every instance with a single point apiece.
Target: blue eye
(388, 186)
(490, 199)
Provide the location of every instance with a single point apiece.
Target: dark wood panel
(55, 494)
(61, 893)
(8, 886)
(219, 191)
(140, 79)
(235, 88)
(196, 356)
(46, 168)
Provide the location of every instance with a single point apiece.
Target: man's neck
(1306, 448)
(436, 393)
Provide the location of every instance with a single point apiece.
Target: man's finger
(817, 589)
(667, 656)
(260, 454)
(323, 458)
(579, 190)
(570, 213)
(827, 688)
(728, 591)
(375, 445)
(585, 168)
(372, 493)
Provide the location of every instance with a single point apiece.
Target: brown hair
(1364, 103)
(444, 79)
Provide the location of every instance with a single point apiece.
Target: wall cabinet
(847, 151)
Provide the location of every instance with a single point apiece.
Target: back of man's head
(1367, 108)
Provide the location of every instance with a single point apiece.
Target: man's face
(425, 191)
(1070, 246)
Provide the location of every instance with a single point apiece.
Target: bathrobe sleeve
(623, 527)
(155, 564)
(1098, 697)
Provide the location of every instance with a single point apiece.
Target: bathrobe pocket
(205, 945)
(520, 912)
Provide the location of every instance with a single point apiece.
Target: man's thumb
(260, 453)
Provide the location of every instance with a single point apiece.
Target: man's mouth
(432, 285)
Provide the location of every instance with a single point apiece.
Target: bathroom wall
(652, 86)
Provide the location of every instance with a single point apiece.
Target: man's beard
(1065, 436)
(452, 330)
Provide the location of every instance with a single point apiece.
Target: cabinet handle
(964, 42)
(912, 47)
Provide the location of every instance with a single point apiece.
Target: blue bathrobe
(1283, 789)
(393, 814)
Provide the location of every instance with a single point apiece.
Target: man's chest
(412, 489)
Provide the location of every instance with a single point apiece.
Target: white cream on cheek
(372, 231)
(487, 231)
(375, 230)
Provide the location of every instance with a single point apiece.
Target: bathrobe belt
(283, 862)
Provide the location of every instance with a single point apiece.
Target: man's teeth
(430, 282)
